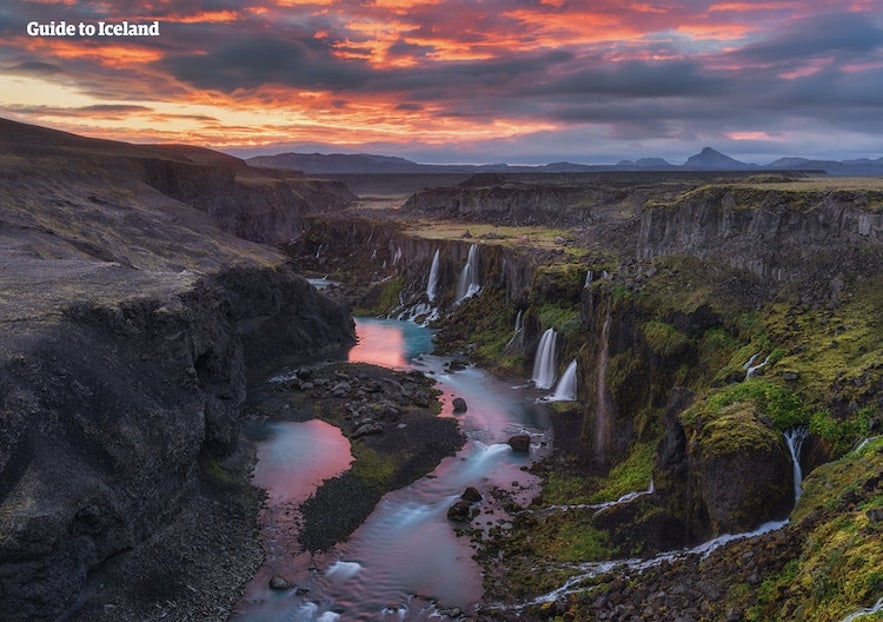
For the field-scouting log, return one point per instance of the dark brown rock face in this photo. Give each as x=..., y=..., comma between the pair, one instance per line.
x=127, y=320
x=107, y=415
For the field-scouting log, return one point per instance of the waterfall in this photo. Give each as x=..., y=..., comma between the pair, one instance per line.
x=517, y=336
x=432, y=284
x=794, y=439
x=753, y=369
x=601, y=425
x=468, y=284
x=866, y=611
x=588, y=279
x=565, y=391
x=544, y=363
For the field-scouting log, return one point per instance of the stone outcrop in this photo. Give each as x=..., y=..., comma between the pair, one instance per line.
x=775, y=233
x=263, y=206
x=548, y=199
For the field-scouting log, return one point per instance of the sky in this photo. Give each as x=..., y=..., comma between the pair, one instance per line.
x=460, y=81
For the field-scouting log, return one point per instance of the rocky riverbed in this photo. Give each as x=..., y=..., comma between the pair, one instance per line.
x=391, y=420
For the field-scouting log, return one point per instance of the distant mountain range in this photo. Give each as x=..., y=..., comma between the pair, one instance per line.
x=706, y=160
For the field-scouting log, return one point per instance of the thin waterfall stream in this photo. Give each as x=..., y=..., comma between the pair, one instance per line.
x=793, y=439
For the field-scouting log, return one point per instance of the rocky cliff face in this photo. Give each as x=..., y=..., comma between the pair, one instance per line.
x=773, y=232
x=266, y=206
x=129, y=319
x=108, y=409
x=377, y=251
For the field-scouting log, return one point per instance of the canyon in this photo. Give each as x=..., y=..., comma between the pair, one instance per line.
x=699, y=317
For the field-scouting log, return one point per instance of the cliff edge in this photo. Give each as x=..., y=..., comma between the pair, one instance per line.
x=131, y=310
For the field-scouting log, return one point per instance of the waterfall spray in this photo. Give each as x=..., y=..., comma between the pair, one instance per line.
x=468, y=284
x=794, y=439
x=544, y=362
x=565, y=391
x=432, y=283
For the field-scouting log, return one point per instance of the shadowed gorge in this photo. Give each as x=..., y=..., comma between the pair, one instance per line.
x=132, y=313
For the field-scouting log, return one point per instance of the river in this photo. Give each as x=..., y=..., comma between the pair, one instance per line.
x=405, y=561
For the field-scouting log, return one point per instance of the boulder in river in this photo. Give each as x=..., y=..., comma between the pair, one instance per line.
x=459, y=405
x=471, y=495
x=520, y=442
x=280, y=583
x=460, y=511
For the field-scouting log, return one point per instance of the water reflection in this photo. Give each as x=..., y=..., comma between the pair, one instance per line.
x=389, y=343
x=406, y=555
x=298, y=457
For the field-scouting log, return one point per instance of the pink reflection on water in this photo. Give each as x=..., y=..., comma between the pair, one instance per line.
x=380, y=346
x=298, y=458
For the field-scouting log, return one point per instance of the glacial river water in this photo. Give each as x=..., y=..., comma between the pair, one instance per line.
x=405, y=561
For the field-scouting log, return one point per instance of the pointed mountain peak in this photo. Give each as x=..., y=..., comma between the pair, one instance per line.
x=710, y=159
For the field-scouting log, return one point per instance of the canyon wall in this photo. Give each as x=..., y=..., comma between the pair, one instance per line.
x=130, y=316
x=773, y=233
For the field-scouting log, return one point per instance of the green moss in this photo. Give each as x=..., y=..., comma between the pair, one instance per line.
x=630, y=475
x=833, y=350
x=664, y=339
x=564, y=320
x=383, y=299
x=372, y=467
x=773, y=401
x=578, y=543
x=563, y=488
x=840, y=565
x=482, y=327
x=842, y=432
x=682, y=284
x=561, y=282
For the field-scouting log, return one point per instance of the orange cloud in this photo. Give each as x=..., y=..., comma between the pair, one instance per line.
x=749, y=135
x=111, y=55
x=716, y=32
x=205, y=17
x=558, y=29
x=742, y=7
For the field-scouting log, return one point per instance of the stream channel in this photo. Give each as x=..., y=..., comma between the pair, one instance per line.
x=405, y=561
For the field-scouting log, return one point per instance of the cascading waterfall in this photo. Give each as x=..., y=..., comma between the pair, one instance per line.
x=517, y=333
x=544, y=363
x=432, y=284
x=794, y=439
x=752, y=369
x=565, y=391
x=468, y=285
x=866, y=611
x=588, y=279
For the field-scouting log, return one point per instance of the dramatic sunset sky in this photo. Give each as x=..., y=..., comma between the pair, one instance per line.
x=518, y=81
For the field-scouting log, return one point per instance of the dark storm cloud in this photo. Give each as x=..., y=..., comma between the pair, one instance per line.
x=252, y=62
x=635, y=79
x=457, y=78
x=403, y=48
x=104, y=111
x=34, y=68
x=841, y=35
